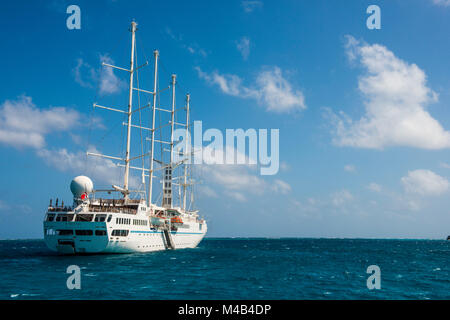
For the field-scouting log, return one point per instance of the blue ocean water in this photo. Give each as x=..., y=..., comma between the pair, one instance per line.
x=234, y=269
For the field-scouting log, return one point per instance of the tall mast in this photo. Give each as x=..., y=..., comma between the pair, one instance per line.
x=174, y=77
x=130, y=101
x=188, y=97
x=167, y=169
x=156, y=54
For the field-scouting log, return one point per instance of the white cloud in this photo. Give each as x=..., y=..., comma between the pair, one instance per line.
x=349, y=168
x=235, y=178
x=207, y=191
x=341, y=198
x=280, y=186
x=243, y=46
x=271, y=90
x=250, y=5
x=192, y=48
x=284, y=166
x=396, y=97
x=10, y=209
x=424, y=182
x=22, y=124
x=88, y=77
x=236, y=196
x=239, y=181
x=228, y=84
x=277, y=93
x=101, y=170
x=445, y=3
x=109, y=82
x=445, y=165
x=374, y=187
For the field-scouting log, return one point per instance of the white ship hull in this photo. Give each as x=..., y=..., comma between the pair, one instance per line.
x=78, y=237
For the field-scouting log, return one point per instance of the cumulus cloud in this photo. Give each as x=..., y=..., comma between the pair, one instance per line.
x=445, y=165
x=251, y=5
x=238, y=181
x=444, y=3
x=374, y=187
x=280, y=186
x=349, y=168
x=243, y=46
x=228, y=83
x=87, y=76
x=395, y=100
x=109, y=82
x=192, y=48
x=425, y=182
x=341, y=198
x=84, y=74
x=271, y=90
x=101, y=170
x=22, y=124
x=207, y=191
x=235, y=178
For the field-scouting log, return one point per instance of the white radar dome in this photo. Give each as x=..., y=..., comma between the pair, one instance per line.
x=80, y=185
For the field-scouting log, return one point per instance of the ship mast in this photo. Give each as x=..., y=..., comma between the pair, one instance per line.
x=130, y=103
x=168, y=168
x=150, y=188
x=187, y=151
x=125, y=189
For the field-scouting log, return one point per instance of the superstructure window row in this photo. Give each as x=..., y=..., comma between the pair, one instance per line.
x=123, y=221
x=119, y=233
x=138, y=222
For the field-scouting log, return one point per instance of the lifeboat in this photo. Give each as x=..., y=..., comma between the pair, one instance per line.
x=176, y=220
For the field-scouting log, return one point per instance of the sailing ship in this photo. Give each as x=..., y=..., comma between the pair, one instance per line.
x=132, y=222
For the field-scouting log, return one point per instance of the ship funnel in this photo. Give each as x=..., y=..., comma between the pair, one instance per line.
x=81, y=185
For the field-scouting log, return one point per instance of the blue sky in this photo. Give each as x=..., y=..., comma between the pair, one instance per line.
x=363, y=114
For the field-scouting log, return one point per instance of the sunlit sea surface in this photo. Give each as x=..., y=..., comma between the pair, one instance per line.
x=234, y=269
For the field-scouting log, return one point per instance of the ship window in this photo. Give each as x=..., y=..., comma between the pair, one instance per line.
x=64, y=232
x=100, y=232
x=50, y=217
x=119, y=233
x=83, y=232
x=109, y=218
x=84, y=217
x=100, y=217
x=200, y=226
